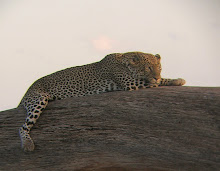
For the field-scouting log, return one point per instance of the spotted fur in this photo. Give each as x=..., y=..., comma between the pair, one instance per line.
x=119, y=71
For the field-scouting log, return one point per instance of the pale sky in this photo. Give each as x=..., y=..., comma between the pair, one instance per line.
x=39, y=37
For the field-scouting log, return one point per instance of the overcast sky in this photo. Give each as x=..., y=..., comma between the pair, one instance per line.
x=39, y=37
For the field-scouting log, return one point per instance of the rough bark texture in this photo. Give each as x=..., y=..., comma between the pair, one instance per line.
x=165, y=128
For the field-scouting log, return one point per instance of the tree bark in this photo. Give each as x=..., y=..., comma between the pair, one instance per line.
x=165, y=128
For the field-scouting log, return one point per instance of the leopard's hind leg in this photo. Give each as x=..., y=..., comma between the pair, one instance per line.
x=34, y=105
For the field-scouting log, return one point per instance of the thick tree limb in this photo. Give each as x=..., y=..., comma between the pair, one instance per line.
x=165, y=128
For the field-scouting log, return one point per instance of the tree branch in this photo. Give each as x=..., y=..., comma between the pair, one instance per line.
x=165, y=128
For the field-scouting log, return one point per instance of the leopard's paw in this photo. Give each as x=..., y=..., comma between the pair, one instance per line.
x=178, y=82
x=28, y=145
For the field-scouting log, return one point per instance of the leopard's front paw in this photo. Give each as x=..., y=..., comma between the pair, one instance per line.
x=178, y=82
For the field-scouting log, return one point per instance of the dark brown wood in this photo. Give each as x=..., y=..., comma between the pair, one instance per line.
x=165, y=128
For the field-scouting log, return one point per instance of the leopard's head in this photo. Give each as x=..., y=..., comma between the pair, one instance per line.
x=143, y=65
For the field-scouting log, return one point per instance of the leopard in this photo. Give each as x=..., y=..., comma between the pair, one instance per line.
x=117, y=71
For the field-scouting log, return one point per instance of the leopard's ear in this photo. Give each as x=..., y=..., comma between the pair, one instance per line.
x=158, y=56
x=124, y=58
x=114, y=57
x=130, y=58
x=118, y=56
